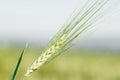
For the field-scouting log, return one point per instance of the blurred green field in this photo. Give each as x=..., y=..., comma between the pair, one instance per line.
x=83, y=65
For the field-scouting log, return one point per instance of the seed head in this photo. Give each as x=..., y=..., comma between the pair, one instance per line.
x=46, y=55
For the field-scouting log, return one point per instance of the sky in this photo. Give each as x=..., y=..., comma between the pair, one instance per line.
x=37, y=20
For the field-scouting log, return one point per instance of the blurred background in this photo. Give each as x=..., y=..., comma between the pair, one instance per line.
x=36, y=21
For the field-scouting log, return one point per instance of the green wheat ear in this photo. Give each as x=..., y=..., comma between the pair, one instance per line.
x=80, y=21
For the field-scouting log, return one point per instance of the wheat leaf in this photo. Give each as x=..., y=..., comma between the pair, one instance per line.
x=17, y=66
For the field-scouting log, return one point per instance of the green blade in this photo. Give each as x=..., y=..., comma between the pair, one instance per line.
x=17, y=66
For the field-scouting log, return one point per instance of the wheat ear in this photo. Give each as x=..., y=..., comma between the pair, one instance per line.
x=80, y=21
x=46, y=55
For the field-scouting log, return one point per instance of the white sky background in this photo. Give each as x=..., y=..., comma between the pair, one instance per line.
x=35, y=20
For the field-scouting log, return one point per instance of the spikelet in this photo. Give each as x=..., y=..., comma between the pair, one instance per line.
x=46, y=55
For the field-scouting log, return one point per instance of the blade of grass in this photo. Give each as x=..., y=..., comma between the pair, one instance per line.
x=18, y=64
